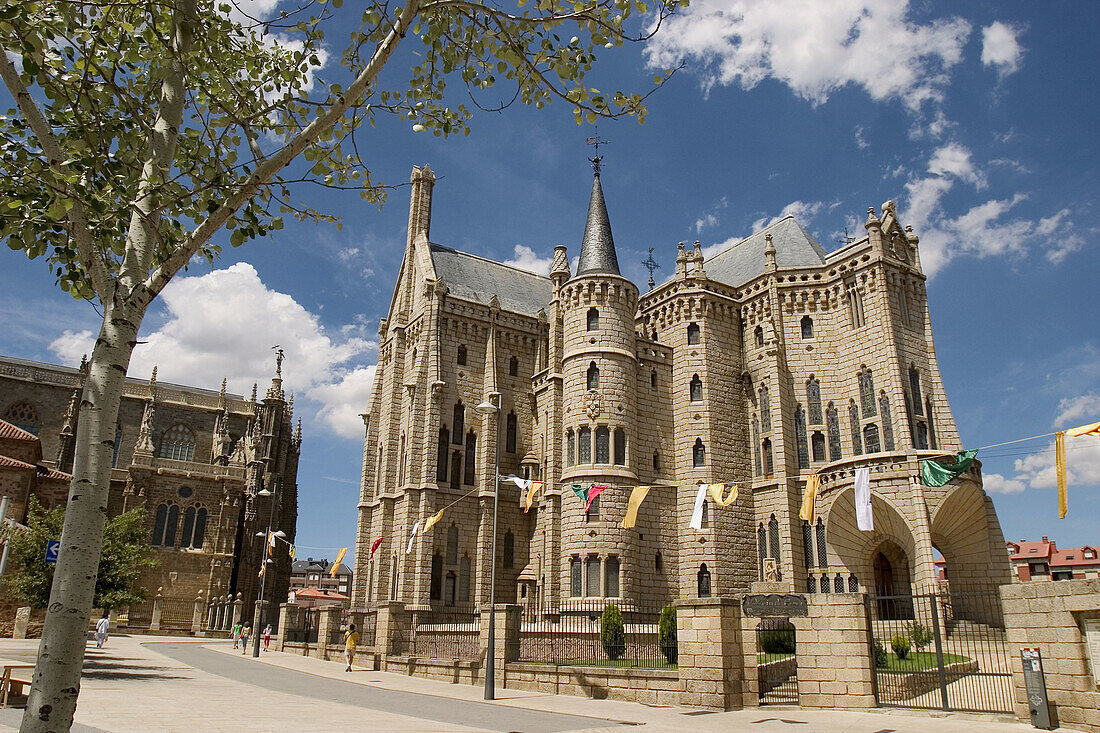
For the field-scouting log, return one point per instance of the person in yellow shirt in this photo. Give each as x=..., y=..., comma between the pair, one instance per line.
x=351, y=639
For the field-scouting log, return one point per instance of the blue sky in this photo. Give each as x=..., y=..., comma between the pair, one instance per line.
x=978, y=118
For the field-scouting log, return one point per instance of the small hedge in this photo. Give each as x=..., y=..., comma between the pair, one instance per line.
x=777, y=641
x=900, y=645
x=666, y=634
x=612, y=634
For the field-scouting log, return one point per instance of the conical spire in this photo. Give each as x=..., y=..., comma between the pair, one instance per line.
x=597, y=248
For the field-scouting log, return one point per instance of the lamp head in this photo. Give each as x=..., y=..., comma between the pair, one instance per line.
x=263, y=492
x=486, y=408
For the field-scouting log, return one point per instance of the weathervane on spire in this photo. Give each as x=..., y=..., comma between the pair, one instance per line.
x=596, y=141
x=651, y=264
x=278, y=360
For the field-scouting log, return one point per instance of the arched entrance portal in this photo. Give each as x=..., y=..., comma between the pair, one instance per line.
x=893, y=581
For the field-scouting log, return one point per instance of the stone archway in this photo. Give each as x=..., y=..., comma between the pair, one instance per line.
x=858, y=551
x=893, y=584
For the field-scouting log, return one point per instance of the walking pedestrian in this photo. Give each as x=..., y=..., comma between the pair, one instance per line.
x=245, y=633
x=101, y=628
x=267, y=637
x=236, y=634
x=351, y=639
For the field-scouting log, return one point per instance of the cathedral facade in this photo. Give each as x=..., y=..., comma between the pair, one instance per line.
x=201, y=462
x=756, y=367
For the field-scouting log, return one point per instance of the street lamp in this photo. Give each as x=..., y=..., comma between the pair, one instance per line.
x=257, y=615
x=488, y=408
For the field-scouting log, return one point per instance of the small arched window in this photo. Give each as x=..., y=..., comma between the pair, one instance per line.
x=695, y=392
x=870, y=438
x=769, y=464
x=441, y=455
x=171, y=525
x=611, y=577
x=887, y=421
x=703, y=582
x=603, y=445
x=765, y=410
x=592, y=575
x=23, y=415
x=658, y=563
x=817, y=446
x=758, y=334
x=914, y=389
x=509, y=550
x=867, y=392
x=832, y=425
x=158, y=525
x=593, y=319
x=570, y=448
x=620, y=447
x=698, y=454
x=800, y=437
x=199, y=537
x=584, y=445
x=471, y=458
x=653, y=379
x=462, y=355
x=458, y=420
x=813, y=400
x=824, y=583
x=576, y=583
x=807, y=327
x=838, y=584
x=693, y=333
x=853, y=418
x=593, y=376
x=756, y=445
x=656, y=461
x=188, y=526
x=513, y=366
x=178, y=443
x=510, y=433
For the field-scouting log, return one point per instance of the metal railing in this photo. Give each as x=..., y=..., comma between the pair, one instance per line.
x=569, y=634
x=176, y=613
x=447, y=633
x=942, y=651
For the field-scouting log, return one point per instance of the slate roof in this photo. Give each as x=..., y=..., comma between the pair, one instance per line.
x=794, y=247
x=13, y=432
x=319, y=594
x=301, y=567
x=476, y=278
x=597, y=247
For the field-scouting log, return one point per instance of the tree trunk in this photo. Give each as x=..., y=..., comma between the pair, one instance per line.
x=51, y=704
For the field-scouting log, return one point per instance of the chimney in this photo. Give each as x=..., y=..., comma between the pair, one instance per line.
x=1045, y=539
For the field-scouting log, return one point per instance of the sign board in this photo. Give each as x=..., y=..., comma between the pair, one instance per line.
x=1092, y=636
x=774, y=604
x=1036, y=686
x=52, y=548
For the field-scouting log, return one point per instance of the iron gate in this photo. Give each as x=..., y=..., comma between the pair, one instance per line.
x=776, y=662
x=943, y=651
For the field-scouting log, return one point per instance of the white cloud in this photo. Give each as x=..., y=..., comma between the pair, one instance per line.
x=814, y=48
x=224, y=323
x=995, y=483
x=710, y=217
x=861, y=141
x=347, y=253
x=802, y=211
x=954, y=159
x=1082, y=409
x=1082, y=464
x=1000, y=49
x=525, y=258
x=345, y=400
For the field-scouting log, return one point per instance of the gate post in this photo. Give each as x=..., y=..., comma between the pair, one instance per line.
x=939, y=652
x=709, y=655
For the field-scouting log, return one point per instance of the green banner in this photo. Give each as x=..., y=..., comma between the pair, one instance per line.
x=934, y=473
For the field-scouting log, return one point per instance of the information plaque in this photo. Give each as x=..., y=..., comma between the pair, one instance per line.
x=774, y=604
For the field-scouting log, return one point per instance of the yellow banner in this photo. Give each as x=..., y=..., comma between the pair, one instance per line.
x=808, y=513
x=339, y=559
x=433, y=519
x=536, y=487
x=1060, y=464
x=716, y=494
x=637, y=496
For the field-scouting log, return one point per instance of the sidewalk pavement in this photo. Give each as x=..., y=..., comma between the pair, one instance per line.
x=139, y=684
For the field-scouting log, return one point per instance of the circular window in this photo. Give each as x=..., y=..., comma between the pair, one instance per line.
x=185, y=492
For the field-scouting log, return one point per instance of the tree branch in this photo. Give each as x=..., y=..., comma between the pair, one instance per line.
x=81, y=233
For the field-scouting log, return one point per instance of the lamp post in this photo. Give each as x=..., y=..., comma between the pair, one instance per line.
x=257, y=616
x=488, y=408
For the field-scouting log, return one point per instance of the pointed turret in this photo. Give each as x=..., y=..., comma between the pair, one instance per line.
x=597, y=248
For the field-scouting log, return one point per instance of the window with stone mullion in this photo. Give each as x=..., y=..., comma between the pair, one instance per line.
x=832, y=422
x=800, y=437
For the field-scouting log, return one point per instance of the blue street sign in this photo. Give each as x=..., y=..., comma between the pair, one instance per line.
x=52, y=548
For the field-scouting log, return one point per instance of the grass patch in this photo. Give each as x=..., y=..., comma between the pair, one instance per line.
x=919, y=661
x=765, y=657
x=639, y=664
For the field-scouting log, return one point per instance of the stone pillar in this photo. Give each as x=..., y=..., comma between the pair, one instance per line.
x=834, y=653
x=212, y=615
x=154, y=624
x=710, y=656
x=22, y=618
x=112, y=621
x=196, y=616
x=507, y=618
x=391, y=631
x=285, y=610
x=238, y=608
x=329, y=619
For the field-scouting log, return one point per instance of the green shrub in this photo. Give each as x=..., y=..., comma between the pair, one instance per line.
x=777, y=641
x=881, y=660
x=612, y=634
x=900, y=645
x=920, y=635
x=666, y=633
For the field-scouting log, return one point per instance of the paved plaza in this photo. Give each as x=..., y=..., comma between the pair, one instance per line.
x=147, y=683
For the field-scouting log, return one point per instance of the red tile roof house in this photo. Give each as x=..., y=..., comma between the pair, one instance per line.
x=1043, y=560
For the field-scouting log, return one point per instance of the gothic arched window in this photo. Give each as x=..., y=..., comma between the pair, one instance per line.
x=703, y=582
x=611, y=577
x=656, y=461
x=813, y=400
x=838, y=584
x=620, y=447
x=695, y=393
x=576, y=587
x=914, y=389
x=693, y=333
x=171, y=525
x=887, y=422
x=853, y=418
x=867, y=392
x=817, y=446
x=510, y=433
x=762, y=546
x=800, y=437
x=756, y=445
x=584, y=445
x=199, y=537
x=832, y=425
x=593, y=376
x=811, y=584
x=593, y=319
x=462, y=355
x=807, y=327
x=513, y=367
x=773, y=538
x=570, y=448
x=603, y=445
x=458, y=422
x=23, y=415
x=188, y=526
x=177, y=443
x=765, y=410
x=758, y=334
x=471, y=458
x=870, y=438
x=653, y=379
x=769, y=465
x=808, y=544
x=822, y=550
x=161, y=518
x=441, y=455
x=698, y=454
